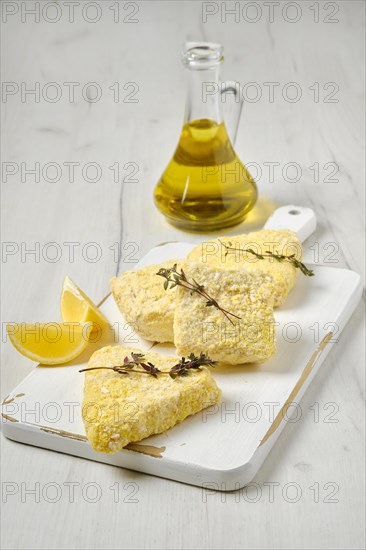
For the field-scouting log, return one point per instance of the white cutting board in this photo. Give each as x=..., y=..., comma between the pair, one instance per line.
x=224, y=446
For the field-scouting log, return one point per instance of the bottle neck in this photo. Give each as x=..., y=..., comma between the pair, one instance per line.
x=203, y=95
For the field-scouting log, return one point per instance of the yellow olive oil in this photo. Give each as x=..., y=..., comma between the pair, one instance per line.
x=205, y=186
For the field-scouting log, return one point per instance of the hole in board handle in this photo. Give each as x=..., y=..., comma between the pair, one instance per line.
x=294, y=212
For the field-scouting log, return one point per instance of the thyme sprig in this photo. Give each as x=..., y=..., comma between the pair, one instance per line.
x=179, y=278
x=268, y=254
x=138, y=360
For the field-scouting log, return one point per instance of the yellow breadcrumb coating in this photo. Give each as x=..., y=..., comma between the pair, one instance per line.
x=248, y=294
x=146, y=306
x=119, y=409
x=277, y=241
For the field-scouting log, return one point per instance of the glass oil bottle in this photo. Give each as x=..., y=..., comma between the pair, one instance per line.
x=205, y=186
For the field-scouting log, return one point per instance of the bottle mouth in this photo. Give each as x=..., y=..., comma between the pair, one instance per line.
x=202, y=55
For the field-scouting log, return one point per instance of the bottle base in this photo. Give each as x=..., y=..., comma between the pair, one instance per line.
x=204, y=226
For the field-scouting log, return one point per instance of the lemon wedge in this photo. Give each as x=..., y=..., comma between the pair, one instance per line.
x=49, y=343
x=77, y=306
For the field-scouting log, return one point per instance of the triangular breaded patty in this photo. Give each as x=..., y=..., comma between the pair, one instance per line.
x=122, y=408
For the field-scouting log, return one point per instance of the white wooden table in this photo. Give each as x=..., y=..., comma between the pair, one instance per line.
x=309, y=492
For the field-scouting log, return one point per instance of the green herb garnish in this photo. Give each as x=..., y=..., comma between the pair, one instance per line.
x=192, y=362
x=138, y=360
x=178, y=278
x=268, y=254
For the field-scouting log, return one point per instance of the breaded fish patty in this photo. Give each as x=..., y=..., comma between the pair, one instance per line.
x=247, y=294
x=119, y=409
x=277, y=241
x=146, y=306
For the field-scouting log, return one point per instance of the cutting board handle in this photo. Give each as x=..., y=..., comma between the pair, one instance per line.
x=299, y=219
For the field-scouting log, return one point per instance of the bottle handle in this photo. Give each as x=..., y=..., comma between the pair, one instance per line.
x=232, y=114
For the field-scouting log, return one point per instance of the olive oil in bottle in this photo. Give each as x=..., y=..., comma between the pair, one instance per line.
x=205, y=186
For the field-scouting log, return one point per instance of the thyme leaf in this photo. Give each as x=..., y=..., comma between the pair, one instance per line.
x=192, y=362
